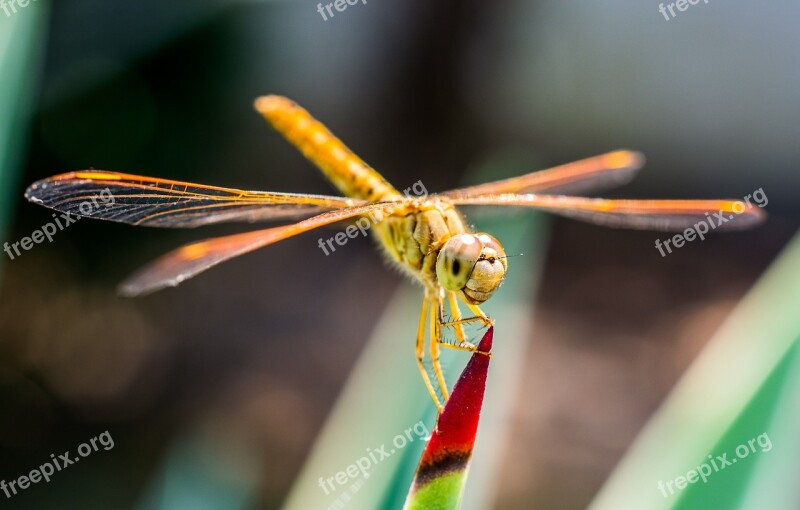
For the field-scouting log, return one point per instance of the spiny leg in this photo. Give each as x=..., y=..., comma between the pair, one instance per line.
x=423, y=316
x=452, y=300
x=435, y=340
x=482, y=316
x=458, y=323
x=479, y=316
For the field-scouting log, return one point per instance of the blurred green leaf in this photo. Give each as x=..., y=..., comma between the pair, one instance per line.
x=22, y=37
x=745, y=383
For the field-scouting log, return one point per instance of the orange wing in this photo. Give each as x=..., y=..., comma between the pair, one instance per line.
x=667, y=215
x=607, y=170
x=192, y=259
x=139, y=200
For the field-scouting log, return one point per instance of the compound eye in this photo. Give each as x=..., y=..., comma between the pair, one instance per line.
x=493, y=249
x=456, y=260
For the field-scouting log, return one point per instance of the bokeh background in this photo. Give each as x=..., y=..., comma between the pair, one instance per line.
x=214, y=392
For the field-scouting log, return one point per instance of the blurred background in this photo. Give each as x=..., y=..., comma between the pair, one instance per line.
x=225, y=382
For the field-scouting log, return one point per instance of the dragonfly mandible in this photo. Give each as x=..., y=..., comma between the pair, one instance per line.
x=427, y=238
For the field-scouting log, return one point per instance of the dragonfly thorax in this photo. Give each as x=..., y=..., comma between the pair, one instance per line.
x=430, y=241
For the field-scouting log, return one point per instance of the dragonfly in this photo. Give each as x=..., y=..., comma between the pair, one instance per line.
x=426, y=237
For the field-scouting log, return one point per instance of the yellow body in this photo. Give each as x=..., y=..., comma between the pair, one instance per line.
x=424, y=236
x=413, y=234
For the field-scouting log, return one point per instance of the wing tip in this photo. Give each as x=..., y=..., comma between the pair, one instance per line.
x=33, y=192
x=30, y=193
x=752, y=215
x=127, y=291
x=626, y=159
x=128, y=288
x=150, y=279
x=132, y=288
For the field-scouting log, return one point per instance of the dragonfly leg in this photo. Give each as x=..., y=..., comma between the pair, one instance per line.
x=458, y=325
x=452, y=300
x=436, y=334
x=423, y=316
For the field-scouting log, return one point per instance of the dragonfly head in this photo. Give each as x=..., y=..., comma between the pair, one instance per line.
x=473, y=265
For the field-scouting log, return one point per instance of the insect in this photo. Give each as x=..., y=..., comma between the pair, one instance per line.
x=426, y=237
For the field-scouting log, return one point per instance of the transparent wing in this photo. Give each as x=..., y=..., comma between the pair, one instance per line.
x=192, y=259
x=667, y=215
x=139, y=200
x=584, y=176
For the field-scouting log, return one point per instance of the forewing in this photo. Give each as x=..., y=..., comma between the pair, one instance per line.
x=153, y=202
x=192, y=259
x=584, y=176
x=666, y=215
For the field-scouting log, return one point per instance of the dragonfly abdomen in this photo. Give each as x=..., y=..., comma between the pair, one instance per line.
x=349, y=173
